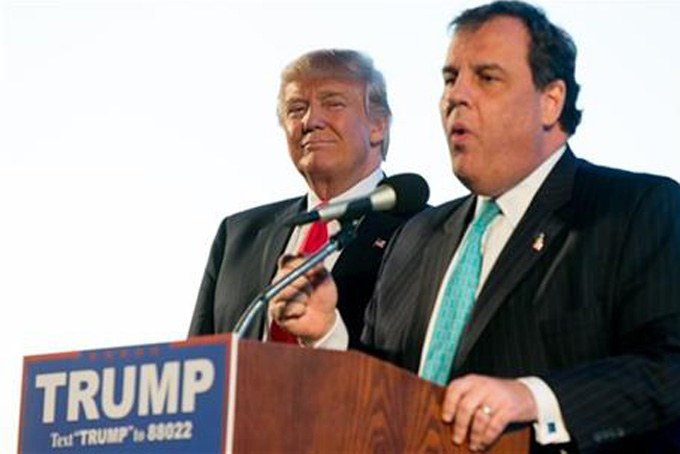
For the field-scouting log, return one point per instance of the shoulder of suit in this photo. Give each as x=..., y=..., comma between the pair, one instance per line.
x=263, y=212
x=617, y=182
x=434, y=216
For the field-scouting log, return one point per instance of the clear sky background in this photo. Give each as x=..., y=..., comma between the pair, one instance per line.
x=130, y=128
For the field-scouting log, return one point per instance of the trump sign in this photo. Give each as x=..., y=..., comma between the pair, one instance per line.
x=163, y=398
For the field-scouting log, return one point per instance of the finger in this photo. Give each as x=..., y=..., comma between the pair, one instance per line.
x=278, y=306
x=293, y=294
x=454, y=392
x=294, y=310
x=480, y=422
x=494, y=429
x=300, y=285
x=317, y=275
x=285, y=259
x=464, y=413
x=287, y=263
x=276, y=311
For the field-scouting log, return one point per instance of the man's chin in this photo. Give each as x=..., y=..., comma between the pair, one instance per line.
x=474, y=185
x=460, y=171
x=318, y=171
x=465, y=180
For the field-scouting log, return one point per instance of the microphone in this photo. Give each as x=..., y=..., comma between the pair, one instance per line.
x=401, y=194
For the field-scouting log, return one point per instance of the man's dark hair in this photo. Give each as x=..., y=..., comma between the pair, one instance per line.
x=552, y=52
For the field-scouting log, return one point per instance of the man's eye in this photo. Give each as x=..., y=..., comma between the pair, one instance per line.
x=335, y=104
x=450, y=78
x=295, y=112
x=488, y=78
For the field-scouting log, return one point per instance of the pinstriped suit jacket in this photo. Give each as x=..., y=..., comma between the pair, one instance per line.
x=243, y=261
x=595, y=312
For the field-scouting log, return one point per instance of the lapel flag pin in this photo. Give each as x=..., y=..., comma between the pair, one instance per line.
x=379, y=243
x=539, y=242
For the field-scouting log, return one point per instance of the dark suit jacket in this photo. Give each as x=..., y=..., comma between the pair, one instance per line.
x=595, y=312
x=243, y=261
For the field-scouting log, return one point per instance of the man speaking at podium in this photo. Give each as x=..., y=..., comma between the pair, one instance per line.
x=551, y=294
x=333, y=108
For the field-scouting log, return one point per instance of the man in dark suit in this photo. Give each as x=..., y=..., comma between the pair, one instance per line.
x=333, y=108
x=551, y=294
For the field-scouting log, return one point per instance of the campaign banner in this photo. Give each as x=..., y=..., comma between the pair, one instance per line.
x=163, y=398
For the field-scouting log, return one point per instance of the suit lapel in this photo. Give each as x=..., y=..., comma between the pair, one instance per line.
x=437, y=247
x=531, y=238
x=374, y=231
x=275, y=235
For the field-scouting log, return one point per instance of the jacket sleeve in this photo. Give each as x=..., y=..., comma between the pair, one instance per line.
x=202, y=321
x=637, y=388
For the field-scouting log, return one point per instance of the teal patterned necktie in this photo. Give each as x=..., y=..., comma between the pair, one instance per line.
x=458, y=300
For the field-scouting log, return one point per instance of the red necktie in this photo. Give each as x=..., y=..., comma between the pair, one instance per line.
x=317, y=237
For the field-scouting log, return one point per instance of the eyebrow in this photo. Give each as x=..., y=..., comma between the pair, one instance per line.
x=322, y=95
x=294, y=100
x=330, y=94
x=448, y=69
x=489, y=66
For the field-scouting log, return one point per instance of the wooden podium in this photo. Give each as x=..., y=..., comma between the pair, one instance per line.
x=220, y=394
x=295, y=400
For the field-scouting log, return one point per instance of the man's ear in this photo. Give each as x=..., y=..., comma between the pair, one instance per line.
x=379, y=125
x=552, y=102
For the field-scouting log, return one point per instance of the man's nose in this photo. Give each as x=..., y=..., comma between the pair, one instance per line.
x=313, y=118
x=456, y=94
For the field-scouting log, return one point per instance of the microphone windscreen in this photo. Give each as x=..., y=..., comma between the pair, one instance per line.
x=412, y=192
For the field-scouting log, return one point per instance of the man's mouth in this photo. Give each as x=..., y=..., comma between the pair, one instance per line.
x=459, y=132
x=310, y=144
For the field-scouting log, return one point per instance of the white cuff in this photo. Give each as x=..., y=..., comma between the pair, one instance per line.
x=336, y=339
x=550, y=427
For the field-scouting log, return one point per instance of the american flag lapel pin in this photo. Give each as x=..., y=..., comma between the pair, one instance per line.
x=379, y=243
x=539, y=242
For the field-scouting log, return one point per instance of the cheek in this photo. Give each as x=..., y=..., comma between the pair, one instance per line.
x=294, y=152
x=294, y=149
x=443, y=107
x=293, y=131
x=524, y=112
x=511, y=126
x=353, y=131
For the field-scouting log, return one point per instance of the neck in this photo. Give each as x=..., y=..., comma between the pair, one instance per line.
x=329, y=188
x=554, y=141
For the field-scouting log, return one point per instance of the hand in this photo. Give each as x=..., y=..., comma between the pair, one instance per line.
x=306, y=308
x=481, y=408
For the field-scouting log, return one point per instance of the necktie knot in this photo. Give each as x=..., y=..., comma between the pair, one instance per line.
x=488, y=213
x=317, y=235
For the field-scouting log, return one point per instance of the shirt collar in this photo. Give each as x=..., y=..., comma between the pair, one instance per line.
x=362, y=188
x=514, y=202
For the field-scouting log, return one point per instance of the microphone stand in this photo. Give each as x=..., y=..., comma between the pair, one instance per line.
x=338, y=241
